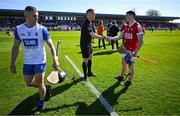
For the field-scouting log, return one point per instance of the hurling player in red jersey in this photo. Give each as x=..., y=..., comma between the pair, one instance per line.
x=132, y=36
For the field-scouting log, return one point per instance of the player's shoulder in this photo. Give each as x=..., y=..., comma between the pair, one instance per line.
x=83, y=24
x=86, y=23
x=137, y=24
x=40, y=26
x=20, y=26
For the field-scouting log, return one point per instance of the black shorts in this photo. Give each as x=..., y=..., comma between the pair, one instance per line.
x=86, y=50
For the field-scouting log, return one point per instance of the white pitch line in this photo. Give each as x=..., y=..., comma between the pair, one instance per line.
x=94, y=90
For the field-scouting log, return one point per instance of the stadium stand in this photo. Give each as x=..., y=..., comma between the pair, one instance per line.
x=72, y=21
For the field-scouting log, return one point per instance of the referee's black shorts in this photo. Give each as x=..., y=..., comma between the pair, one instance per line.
x=86, y=50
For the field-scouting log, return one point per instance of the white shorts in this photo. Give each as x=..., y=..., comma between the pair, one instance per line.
x=123, y=55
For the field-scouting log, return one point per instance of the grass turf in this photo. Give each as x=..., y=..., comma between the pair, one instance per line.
x=155, y=90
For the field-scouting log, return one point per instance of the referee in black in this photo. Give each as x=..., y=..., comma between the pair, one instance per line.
x=87, y=33
x=114, y=32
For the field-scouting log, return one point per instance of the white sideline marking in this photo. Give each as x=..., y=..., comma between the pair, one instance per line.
x=94, y=90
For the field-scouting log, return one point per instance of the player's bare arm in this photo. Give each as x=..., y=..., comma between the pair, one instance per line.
x=140, y=43
x=14, y=55
x=115, y=38
x=95, y=35
x=50, y=44
x=118, y=37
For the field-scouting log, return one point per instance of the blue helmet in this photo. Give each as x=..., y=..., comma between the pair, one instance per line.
x=128, y=58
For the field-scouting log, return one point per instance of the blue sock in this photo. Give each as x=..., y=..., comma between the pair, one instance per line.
x=41, y=102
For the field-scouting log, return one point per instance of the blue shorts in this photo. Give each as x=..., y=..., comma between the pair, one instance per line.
x=31, y=69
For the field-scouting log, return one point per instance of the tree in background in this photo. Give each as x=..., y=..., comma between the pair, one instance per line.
x=153, y=12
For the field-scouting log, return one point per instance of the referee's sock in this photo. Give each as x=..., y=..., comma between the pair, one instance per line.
x=89, y=66
x=84, y=66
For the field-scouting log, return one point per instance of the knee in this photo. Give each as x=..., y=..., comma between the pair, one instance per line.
x=40, y=84
x=32, y=84
x=90, y=57
x=85, y=60
x=29, y=84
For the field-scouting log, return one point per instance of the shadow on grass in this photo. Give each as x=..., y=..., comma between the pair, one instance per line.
x=96, y=107
x=79, y=52
x=93, y=51
x=131, y=110
x=111, y=96
x=82, y=108
x=28, y=104
x=100, y=53
x=96, y=46
x=104, y=53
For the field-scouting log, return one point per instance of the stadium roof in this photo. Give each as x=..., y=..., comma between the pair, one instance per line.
x=19, y=13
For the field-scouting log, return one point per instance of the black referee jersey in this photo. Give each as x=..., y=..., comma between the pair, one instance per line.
x=85, y=41
x=86, y=29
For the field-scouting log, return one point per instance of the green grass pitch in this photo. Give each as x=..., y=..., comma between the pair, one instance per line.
x=155, y=90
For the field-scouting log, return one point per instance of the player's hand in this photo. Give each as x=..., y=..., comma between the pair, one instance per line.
x=13, y=68
x=102, y=37
x=107, y=38
x=134, y=54
x=133, y=59
x=55, y=64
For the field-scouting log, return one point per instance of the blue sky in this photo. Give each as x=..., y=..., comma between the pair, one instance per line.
x=166, y=7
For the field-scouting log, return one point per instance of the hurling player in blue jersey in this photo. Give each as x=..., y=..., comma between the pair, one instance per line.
x=33, y=37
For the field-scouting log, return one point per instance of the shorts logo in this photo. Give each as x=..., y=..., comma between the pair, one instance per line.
x=30, y=43
x=42, y=67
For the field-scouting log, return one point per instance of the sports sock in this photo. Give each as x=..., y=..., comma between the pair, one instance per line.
x=41, y=103
x=89, y=66
x=84, y=66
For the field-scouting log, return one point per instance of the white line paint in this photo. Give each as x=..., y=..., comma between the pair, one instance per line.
x=94, y=90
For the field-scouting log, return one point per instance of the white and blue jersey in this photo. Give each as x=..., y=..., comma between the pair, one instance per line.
x=33, y=40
